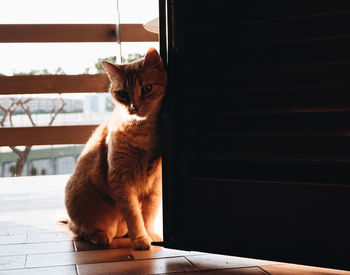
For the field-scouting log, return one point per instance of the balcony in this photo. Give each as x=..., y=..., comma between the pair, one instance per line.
x=31, y=240
x=66, y=116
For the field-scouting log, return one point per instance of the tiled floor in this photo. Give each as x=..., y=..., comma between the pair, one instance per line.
x=31, y=242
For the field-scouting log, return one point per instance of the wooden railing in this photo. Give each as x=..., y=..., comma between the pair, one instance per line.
x=17, y=33
x=38, y=84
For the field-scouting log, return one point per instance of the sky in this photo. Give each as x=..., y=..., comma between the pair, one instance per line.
x=73, y=58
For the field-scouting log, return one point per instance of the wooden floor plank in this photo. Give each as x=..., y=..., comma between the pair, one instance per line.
x=291, y=269
x=158, y=252
x=56, y=270
x=13, y=239
x=81, y=257
x=167, y=265
x=35, y=248
x=11, y=262
x=214, y=261
x=233, y=271
x=50, y=237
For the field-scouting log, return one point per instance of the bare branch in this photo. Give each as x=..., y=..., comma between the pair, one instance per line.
x=27, y=100
x=17, y=151
x=22, y=155
x=56, y=112
x=53, y=109
x=14, y=102
x=6, y=112
x=2, y=122
x=10, y=119
x=12, y=110
x=9, y=111
x=27, y=149
x=26, y=109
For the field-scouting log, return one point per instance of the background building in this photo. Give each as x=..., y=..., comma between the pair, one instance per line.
x=43, y=160
x=54, y=160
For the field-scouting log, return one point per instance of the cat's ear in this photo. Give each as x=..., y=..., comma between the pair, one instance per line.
x=152, y=58
x=111, y=69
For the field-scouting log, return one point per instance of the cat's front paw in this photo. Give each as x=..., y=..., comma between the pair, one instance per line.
x=142, y=243
x=99, y=238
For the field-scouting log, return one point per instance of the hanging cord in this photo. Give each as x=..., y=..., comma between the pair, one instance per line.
x=119, y=55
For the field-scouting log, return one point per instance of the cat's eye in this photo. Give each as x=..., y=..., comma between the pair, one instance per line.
x=123, y=94
x=146, y=89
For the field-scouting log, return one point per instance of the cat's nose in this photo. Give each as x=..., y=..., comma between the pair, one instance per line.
x=134, y=107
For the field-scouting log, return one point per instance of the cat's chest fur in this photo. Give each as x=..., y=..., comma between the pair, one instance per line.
x=134, y=153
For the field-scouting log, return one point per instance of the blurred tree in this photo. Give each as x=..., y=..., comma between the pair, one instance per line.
x=59, y=70
x=8, y=112
x=86, y=71
x=134, y=56
x=33, y=171
x=13, y=170
x=98, y=64
x=131, y=57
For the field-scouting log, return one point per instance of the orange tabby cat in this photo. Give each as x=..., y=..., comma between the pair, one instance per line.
x=115, y=188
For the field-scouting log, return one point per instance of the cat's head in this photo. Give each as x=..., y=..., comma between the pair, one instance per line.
x=139, y=86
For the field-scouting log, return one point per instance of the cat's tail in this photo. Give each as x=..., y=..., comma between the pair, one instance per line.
x=71, y=226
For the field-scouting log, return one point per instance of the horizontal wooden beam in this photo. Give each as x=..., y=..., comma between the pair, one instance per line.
x=136, y=33
x=38, y=33
x=45, y=135
x=45, y=84
x=57, y=33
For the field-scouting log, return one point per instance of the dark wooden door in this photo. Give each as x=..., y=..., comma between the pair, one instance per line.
x=257, y=129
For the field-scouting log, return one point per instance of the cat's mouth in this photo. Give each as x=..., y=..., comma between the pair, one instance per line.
x=133, y=112
x=129, y=116
x=136, y=117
